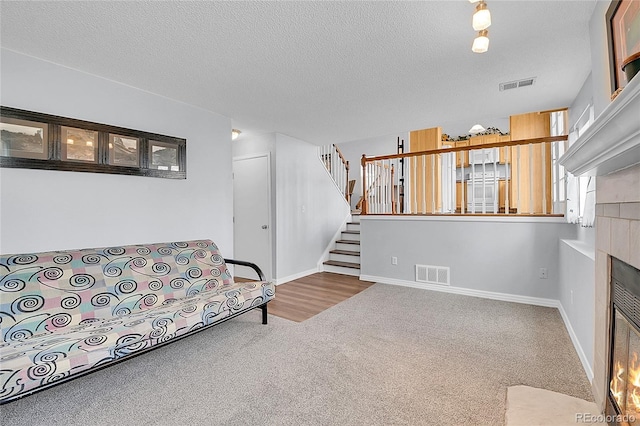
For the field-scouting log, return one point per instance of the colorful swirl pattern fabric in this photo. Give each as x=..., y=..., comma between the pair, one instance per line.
x=62, y=313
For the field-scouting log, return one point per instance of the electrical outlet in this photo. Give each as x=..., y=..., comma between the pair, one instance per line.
x=394, y=260
x=543, y=273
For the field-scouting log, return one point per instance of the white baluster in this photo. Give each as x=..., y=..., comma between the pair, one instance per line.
x=414, y=174
x=463, y=187
x=531, y=178
x=544, y=177
x=434, y=158
x=424, y=184
x=484, y=181
x=517, y=181
x=473, y=184
x=496, y=182
x=507, y=176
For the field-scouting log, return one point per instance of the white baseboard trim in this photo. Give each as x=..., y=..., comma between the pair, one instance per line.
x=576, y=343
x=283, y=280
x=537, y=301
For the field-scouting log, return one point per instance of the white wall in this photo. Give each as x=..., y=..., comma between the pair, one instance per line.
x=498, y=255
x=48, y=210
x=577, y=295
x=307, y=207
x=577, y=259
x=584, y=98
x=600, y=74
x=310, y=209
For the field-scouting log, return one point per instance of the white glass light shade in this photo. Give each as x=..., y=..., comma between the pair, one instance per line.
x=234, y=134
x=481, y=43
x=477, y=128
x=482, y=17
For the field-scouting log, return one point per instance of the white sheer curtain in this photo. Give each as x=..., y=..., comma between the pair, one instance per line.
x=589, y=214
x=573, y=190
x=573, y=199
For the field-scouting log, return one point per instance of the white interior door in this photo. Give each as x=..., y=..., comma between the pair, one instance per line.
x=251, y=212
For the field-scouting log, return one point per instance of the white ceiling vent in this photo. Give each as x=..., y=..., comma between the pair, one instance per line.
x=432, y=274
x=516, y=84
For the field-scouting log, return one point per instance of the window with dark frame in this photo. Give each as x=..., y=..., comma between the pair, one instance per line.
x=34, y=140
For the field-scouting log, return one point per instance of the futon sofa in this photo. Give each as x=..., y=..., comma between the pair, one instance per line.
x=66, y=313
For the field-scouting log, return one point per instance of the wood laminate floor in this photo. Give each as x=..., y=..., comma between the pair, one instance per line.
x=303, y=298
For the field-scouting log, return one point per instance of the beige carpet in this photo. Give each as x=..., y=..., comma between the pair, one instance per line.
x=389, y=355
x=528, y=406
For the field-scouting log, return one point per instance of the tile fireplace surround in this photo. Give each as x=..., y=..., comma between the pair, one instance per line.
x=610, y=150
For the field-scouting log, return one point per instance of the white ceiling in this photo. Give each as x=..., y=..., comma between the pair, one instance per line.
x=323, y=72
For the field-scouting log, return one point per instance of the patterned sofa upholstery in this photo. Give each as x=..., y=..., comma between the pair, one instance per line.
x=68, y=312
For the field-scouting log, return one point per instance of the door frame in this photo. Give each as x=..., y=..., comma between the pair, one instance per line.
x=267, y=155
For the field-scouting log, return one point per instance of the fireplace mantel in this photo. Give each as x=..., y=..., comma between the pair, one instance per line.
x=612, y=142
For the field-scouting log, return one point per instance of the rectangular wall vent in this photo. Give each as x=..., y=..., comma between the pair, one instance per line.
x=432, y=274
x=518, y=83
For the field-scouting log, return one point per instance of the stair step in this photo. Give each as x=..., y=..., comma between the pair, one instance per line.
x=345, y=257
x=348, y=242
x=340, y=270
x=346, y=252
x=347, y=246
x=342, y=264
x=350, y=235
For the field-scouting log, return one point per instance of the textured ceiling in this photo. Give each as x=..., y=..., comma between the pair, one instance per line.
x=324, y=72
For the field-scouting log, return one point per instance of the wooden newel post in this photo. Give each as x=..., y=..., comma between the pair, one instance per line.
x=363, y=208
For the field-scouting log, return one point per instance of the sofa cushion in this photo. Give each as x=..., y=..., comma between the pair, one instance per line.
x=55, y=290
x=54, y=353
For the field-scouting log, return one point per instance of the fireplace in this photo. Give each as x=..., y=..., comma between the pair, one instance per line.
x=623, y=405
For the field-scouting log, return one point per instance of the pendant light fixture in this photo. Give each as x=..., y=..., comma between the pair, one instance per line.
x=481, y=43
x=482, y=17
x=477, y=128
x=481, y=21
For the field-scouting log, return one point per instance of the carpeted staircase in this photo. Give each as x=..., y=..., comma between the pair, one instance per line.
x=345, y=257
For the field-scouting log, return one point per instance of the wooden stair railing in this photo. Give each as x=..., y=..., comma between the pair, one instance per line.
x=525, y=186
x=381, y=187
x=338, y=167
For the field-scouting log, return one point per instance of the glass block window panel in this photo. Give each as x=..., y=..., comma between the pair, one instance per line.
x=124, y=150
x=79, y=145
x=23, y=138
x=163, y=156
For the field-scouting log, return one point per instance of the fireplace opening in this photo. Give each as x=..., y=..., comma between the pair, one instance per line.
x=623, y=406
